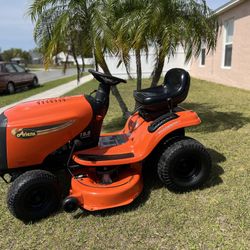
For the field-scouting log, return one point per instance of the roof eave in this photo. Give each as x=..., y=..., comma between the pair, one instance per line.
x=228, y=6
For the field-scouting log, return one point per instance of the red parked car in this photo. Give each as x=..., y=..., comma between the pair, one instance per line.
x=13, y=76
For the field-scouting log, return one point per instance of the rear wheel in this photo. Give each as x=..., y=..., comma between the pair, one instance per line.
x=184, y=165
x=35, y=83
x=11, y=88
x=34, y=195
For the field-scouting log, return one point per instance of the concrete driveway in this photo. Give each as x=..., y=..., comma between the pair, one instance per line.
x=53, y=74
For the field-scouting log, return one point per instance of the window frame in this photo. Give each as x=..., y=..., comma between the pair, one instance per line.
x=225, y=43
x=17, y=67
x=6, y=69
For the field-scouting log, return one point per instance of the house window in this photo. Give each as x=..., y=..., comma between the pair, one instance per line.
x=203, y=57
x=228, y=46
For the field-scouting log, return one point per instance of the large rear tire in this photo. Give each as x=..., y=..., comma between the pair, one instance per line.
x=34, y=195
x=184, y=165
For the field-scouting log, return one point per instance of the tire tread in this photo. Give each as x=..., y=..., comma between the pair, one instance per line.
x=21, y=183
x=175, y=146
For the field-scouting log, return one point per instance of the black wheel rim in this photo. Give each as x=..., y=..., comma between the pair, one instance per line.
x=187, y=168
x=37, y=198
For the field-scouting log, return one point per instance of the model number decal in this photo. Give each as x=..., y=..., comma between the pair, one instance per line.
x=84, y=135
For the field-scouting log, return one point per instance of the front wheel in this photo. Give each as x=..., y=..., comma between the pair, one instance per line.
x=35, y=83
x=34, y=195
x=184, y=165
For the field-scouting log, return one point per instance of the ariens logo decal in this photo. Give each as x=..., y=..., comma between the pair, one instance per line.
x=24, y=133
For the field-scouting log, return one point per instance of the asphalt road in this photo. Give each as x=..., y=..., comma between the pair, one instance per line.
x=53, y=74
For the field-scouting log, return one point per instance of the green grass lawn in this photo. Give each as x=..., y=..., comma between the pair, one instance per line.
x=8, y=99
x=215, y=217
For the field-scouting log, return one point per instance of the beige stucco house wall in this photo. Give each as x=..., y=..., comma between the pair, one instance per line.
x=238, y=74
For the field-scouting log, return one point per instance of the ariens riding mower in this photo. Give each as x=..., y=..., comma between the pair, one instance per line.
x=41, y=136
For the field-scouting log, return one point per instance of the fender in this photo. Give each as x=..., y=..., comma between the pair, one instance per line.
x=139, y=142
x=145, y=141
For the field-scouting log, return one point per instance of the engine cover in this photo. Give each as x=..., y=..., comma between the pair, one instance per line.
x=31, y=131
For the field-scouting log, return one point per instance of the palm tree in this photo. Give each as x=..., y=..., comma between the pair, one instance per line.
x=128, y=15
x=59, y=23
x=119, y=26
x=173, y=23
x=164, y=24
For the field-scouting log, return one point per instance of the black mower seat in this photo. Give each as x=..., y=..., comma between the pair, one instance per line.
x=174, y=90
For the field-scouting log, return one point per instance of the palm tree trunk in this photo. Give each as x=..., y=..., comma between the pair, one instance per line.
x=65, y=66
x=102, y=62
x=83, y=63
x=122, y=104
x=138, y=68
x=77, y=64
x=127, y=67
x=158, y=68
x=95, y=60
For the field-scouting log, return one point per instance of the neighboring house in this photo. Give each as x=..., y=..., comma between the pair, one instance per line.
x=229, y=64
x=18, y=60
x=147, y=62
x=36, y=57
x=62, y=57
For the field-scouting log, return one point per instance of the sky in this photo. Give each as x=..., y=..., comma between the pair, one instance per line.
x=16, y=29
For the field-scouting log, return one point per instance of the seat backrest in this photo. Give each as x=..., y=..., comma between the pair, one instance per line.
x=177, y=82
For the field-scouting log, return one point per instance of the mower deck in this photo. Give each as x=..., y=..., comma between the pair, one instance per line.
x=92, y=195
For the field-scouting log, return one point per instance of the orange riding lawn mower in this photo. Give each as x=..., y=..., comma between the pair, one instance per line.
x=39, y=137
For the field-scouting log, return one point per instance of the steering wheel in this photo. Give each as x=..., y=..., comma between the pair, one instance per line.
x=105, y=78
